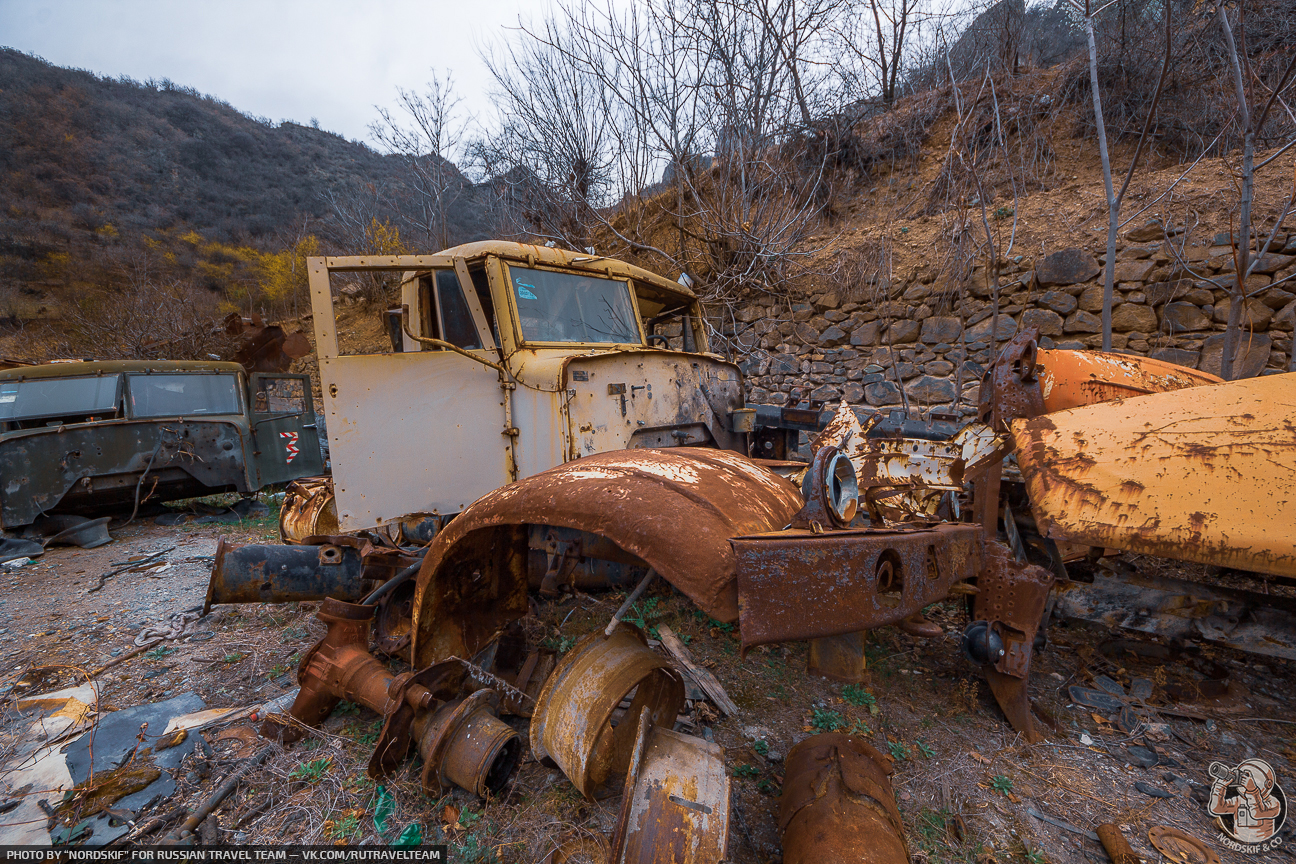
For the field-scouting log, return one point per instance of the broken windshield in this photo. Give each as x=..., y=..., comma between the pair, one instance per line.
x=58, y=397
x=566, y=307
x=182, y=395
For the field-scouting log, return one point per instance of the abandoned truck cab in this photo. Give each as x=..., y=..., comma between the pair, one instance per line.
x=506, y=360
x=87, y=436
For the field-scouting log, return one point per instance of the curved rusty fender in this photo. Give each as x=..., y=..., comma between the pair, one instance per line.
x=675, y=508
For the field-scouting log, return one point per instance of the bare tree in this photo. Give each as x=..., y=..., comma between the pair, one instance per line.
x=1250, y=123
x=1114, y=198
x=426, y=133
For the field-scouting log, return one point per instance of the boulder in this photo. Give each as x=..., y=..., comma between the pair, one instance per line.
x=1177, y=356
x=802, y=311
x=1066, y=267
x=882, y=393
x=834, y=335
x=1150, y=230
x=1091, y=299
x=750, y=313
x=1163, y=292
x=1269, y=262
x=937, y=329
x=853, y=392
x=903, y=332
x=931, y=390
x=1048, y=321
x=1255, y=315
x=1134, y=271
x=866, y=335
x=981, y=332
x=1059, y=301
x=784, y=364
x=1081, y=321
x=1252, y=354
x=1184, y=317
x=939, y=367
x=1133, y=317
x=1277, y=298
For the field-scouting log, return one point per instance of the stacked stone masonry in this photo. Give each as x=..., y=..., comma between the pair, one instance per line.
x=1169, y=303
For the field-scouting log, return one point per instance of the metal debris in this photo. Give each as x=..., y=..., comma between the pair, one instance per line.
x=1206, y=474
x=837, y=804
x=675, y=805
x=572, y=723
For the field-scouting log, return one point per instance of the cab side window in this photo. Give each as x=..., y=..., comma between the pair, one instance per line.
x=445, y=311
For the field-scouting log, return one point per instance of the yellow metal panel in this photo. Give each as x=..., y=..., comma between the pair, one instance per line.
x=412, y=433
x=1069, y=379
x=1206, y=474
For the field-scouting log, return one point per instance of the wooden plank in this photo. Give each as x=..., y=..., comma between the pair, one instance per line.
x=703, y=677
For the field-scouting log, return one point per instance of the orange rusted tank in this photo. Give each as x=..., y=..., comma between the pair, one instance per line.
x=1207, y=475
x=1070, y=379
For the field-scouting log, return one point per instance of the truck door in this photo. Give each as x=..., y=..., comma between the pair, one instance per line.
x=420, y=429
x=285, y=440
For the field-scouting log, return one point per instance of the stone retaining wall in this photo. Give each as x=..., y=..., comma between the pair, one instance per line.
x=828, y=349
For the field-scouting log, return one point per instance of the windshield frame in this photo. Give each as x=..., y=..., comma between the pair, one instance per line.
x=511, y=292
x=113, y=409
x=239, y=394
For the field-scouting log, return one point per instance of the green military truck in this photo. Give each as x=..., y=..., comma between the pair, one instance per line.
x=86, y=437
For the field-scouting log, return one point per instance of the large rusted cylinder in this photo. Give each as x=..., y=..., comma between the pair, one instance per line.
x=837, y=804
x=281, y=574
x=463, y=743
x=572, y=721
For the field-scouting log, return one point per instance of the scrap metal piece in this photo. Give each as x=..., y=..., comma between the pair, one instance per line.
x=255, y=573
x=70, y=530
x=1066, y=826
x=837, y=804
x=1070, y=379
x=338, y=666
x=795, y=585
x=839, y=658
x=1180, y=847
x=308, y=509
x=1010, y=602
x=572, y=722
x=1114, y=842
x=830, y=491
x=1206, y=474
x=675, y=809
x=637, y=499
x=464, y=744
x=1178, y=609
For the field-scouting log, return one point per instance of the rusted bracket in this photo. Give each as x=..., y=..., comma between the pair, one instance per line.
x=1009, y=391
x=796, y=584
x=406, y=695
x=1007, y=611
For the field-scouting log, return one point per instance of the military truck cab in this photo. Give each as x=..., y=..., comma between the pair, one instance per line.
x=91, y=436
x=506, y=360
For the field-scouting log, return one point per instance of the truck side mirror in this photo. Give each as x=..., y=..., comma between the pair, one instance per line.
x=394, y=333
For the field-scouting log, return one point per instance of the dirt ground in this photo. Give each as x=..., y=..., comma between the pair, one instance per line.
x=965, y=783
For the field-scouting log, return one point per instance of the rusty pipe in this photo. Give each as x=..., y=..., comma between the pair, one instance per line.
x=837, y=804
x=464, y=744
x=255, y=573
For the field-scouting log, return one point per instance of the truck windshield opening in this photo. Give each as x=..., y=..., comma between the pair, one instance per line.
x=566, y=307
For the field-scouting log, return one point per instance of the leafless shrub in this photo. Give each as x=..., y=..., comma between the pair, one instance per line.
x=150, y=320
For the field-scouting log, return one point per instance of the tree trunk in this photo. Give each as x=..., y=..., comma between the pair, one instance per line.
x=1113, y=210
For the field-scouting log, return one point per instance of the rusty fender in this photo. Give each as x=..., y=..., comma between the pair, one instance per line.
x=674, y=509
x=572, y=723
x=795, y=585
x=1206, y=474
x=675, y=807
x=837, y=804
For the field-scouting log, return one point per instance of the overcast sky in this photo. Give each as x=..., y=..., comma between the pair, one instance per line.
x=283, y=59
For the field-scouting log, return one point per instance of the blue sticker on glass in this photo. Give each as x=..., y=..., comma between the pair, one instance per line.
x=526, y=292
